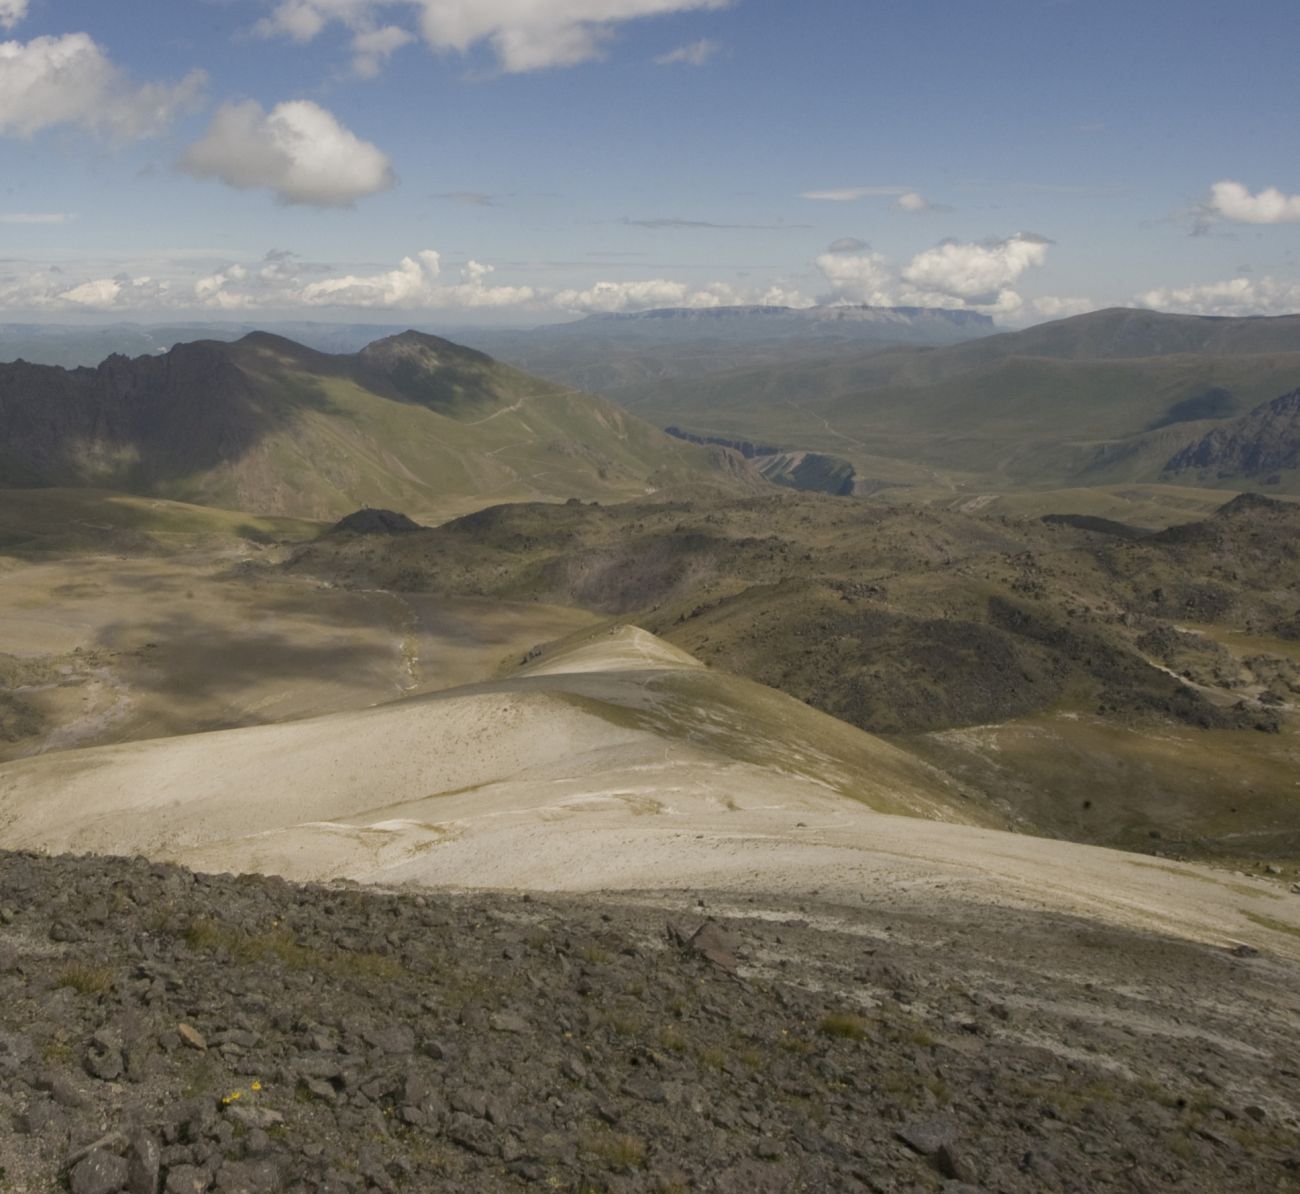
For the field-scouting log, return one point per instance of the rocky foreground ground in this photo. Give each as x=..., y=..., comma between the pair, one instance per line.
x=166, y=1031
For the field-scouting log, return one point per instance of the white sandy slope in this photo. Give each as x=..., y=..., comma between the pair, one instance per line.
x=620, y=764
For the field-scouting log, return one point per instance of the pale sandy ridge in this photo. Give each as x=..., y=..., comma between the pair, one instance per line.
x=621, y=764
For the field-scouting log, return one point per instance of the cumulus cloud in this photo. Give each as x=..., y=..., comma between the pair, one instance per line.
x=1233, y=201
x=851, y=194
x=69, y=80
x=980, y=275
x=416, y=283
x=1236, y=296
x=697, y=53
x=952, y=274
x=847, y=244
x=11, y=12
x=524, y=34
x=298, y=150
x=858, y=277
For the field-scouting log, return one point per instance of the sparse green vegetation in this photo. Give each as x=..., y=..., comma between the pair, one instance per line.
x=206, y=936
x=844, y=1026
x=86, y=979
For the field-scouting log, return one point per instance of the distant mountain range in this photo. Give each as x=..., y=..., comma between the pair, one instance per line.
x=71, y=345
x=1113, y=396
x=272, y=427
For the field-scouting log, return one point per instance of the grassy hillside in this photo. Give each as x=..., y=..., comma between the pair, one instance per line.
x=269, y=426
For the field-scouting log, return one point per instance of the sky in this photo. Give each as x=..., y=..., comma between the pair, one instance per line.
x=453, y=162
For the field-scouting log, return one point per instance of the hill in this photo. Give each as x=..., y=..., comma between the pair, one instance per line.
x=271, y=427
x=1112, y=687
x=614, y=762
x=1097, y=399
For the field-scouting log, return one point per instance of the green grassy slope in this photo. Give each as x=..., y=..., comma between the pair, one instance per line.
x=268, y=426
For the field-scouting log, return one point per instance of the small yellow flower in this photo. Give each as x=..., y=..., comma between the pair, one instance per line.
x=257, y=1086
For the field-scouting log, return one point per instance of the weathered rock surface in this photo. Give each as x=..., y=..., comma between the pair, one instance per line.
x=361, y=1042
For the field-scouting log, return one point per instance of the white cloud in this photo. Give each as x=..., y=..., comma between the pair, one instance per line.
x=914, y=203
x=850, y=194
x=371, y=48
x=1236, y=296
x=642, y=296
x=980, y=275
x=415, y=284
x=68, y=80
x=11, y=12
x=298, y=150
x=283, y=282
x=951, y=274
x=524, y=34
x=698, y=53
x=1232, y=201
x=858, y=277
x=34, y=217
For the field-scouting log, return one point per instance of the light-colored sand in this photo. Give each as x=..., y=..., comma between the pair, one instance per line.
x=621, y=764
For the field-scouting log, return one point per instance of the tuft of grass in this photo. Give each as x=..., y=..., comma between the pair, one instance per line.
x=86, y=980
x=619, y=1151
x=206, y=936
x=843, y=1026
x=671, y=1038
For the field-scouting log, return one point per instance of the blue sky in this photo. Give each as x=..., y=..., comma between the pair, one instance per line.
x=516, y=161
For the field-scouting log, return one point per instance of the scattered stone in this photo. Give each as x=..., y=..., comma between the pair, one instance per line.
x=98, y=1172
x=144, y=1164
x=715, y=945
x=191, y=1038
x=930, y=1134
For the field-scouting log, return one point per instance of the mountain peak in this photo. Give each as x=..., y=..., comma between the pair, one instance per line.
x=418, y=348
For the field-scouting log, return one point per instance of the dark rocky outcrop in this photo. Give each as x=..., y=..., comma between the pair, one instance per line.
x=1263, y=442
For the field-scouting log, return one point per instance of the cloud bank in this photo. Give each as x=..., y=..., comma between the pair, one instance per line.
x=283, y=281
x=69, y=81
x=524, y=35
x=298, y=151
x=1236, y=296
